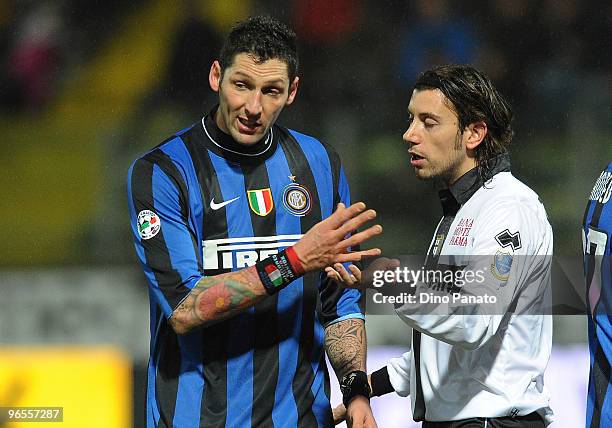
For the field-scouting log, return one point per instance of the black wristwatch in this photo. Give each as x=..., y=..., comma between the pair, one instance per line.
x=353, y=384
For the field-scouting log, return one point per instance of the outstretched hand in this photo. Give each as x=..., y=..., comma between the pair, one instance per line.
x=328, y=241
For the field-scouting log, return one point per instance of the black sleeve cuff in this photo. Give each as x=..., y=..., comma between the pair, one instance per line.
x=381, y=384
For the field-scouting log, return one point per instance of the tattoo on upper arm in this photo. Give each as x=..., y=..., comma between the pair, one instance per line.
x=218, y=297
x=345, y=343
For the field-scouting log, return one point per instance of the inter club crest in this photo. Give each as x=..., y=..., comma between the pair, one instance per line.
x=261, y=201
x=296, y=198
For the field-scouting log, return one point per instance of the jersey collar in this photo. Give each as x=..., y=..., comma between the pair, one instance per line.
x=463, y=189
x=224, y=145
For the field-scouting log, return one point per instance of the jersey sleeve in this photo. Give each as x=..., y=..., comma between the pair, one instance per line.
x=164, y=243
x=510, y=261
x=399, y=373
x=338, y=303
x=597, y=249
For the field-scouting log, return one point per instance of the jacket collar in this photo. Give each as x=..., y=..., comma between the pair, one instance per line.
x=461, y=190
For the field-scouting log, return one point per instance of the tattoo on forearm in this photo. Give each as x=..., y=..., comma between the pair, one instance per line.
x=345, y=343
x=219, y=297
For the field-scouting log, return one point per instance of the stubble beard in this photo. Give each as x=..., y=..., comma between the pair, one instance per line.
x=445, y=170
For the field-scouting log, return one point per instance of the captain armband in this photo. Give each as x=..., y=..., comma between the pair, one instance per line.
x=279, y=270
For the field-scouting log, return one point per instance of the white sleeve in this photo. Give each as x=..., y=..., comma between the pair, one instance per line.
x=510, y=243
x=399, y=373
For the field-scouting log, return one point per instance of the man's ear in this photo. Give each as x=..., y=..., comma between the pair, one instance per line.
x=293, y=88
x=475, y=133
x=214, y=77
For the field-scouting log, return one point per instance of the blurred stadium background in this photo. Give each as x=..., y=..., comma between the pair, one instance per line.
x=88, y=85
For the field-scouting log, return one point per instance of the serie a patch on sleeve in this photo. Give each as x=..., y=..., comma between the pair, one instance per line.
x=149, y=224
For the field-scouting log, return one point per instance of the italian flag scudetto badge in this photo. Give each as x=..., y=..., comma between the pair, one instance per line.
x=260, y=201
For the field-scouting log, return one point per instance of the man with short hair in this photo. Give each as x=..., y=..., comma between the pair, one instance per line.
x=478, y=357
x=233, y=219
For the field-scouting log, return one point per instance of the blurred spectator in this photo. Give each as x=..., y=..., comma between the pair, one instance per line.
x=513, y=41
x=323, y=21
x=598, y=33
x=33, y=59
x=92, y=23
x=563, y=28
x=556, y=79
x=435, y=36
x=196, y=45
x=326, y=32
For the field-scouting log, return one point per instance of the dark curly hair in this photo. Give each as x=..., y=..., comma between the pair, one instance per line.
x=474, y=99
x=263, y=37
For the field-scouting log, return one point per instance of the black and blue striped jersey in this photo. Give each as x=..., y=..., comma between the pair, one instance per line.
x=201, y=205
x=596, y=237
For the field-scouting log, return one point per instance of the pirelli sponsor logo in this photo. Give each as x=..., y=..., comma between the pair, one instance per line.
x=230, y=253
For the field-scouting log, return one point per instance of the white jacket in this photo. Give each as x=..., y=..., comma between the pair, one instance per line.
x=487, y=360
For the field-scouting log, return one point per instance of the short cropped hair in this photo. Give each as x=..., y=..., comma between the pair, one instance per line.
x=474, y=98
x=264, y=38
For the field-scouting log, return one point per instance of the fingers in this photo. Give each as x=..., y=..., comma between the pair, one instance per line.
x=322, y=244
x=342, y=214
x=360, y=237
x=356, y=272
x=331, y=273
x=347, y=279
x=356, y=256
x=335, y=276
x=355, y=222
x=344, y=275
